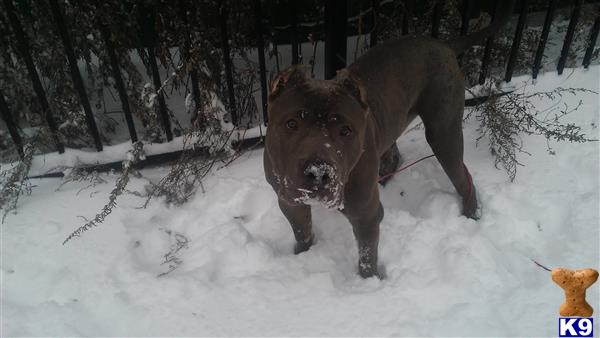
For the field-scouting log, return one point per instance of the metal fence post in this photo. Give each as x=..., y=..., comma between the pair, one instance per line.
x=149, y=40
x=514, y=50
x=294, y=33
x=464, y=26
x=569, y=37
x=485, y=60
x=336, y=16
x=261, y=58
x=75, y=74
x=10, y=123
x=539, y=54
x=121, y=89
x=227, y=60
x=592, y=40
x=162, y=105
x=466, y=14
x=275, y=52
x=186, y=55
x=435, y=20
x=374, y=16
x=407, y=15
x=23, y=47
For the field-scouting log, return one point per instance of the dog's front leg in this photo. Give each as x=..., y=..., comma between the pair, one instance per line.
x=365, y=212
x=299, y=217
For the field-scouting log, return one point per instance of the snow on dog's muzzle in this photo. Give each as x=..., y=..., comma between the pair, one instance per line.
x=318, y=174
x=322, y=185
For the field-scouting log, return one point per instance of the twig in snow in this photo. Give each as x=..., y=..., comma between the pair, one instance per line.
x=171, y=257
x=135, y=155
x=540, y=265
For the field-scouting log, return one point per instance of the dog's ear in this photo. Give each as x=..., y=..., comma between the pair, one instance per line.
x=353, y=86
x=285, y=78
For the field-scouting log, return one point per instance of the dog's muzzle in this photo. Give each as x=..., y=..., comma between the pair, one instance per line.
x=318, y=174
x=322, y=185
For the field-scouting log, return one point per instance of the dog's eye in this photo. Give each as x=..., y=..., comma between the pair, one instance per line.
x=292, y=124
x=345, y=131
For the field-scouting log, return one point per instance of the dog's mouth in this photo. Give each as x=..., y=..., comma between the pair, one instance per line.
x=330, y=201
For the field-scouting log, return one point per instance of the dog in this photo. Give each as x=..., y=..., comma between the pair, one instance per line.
x=329, y=141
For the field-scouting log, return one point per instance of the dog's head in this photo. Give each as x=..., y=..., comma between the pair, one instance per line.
x=315, y=135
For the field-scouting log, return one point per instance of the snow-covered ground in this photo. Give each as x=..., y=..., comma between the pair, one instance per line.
x=446, y=275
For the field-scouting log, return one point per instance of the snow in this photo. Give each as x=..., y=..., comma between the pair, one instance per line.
x=188, y=102
x=55, y=162
x=446, y=275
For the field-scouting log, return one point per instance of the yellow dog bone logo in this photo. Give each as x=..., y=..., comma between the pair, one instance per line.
x=575, y=283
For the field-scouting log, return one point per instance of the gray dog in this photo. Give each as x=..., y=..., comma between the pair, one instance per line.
x=328, y=142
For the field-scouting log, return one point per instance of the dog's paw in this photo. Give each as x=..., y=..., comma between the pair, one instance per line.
x=472, y=208
x=478, y=212
x=368, y=272
x=302, y=246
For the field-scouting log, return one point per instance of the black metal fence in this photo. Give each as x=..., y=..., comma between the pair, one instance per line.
x=335, y=32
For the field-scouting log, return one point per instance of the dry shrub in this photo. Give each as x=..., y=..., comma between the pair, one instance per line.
x=505, y=118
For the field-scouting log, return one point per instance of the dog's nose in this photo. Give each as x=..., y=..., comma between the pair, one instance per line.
x=318, y=173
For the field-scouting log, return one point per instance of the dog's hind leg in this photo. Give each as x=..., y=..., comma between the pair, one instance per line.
x=389, y=162
x=443, y=132
x=300, y=218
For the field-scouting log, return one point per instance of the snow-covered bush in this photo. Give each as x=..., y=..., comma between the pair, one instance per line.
x=204, y=148
x=505, y=118
x=13, y=182
x=14, y=176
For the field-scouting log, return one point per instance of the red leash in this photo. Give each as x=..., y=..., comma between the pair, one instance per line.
x=381, y=178
x=469, y=178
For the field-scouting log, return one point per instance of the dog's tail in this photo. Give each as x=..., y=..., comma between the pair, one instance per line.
x=502, y=15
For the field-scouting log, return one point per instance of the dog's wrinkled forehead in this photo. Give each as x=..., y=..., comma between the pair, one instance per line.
x=315, y=100
x=318, y=104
